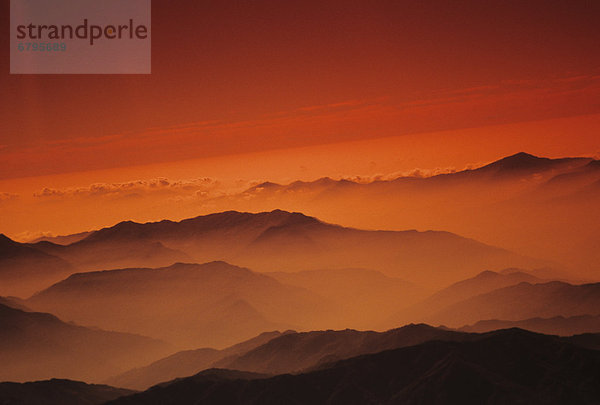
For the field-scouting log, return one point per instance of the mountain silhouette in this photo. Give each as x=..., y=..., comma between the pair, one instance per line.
x=526, y=164
x=276, y=353
x=39, y=345
x=474, y=202
x=521, y=164
x=587, y=172
x=296, y=352
x=58, y=392
x=13, y=302
x=190, y=305
x=25, y=270
x=186, y=363
x=524, y=301
x=482, y=283
x=86, y=255
x=503, y=367
x=62, y=239
x=559, y=325
x=586, y=340
x=290, y=241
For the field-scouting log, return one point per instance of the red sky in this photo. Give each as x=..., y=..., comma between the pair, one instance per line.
x=466, y=81
x=231, y=77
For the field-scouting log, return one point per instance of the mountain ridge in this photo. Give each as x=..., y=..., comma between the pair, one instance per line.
x=524, y=301
x=40, y=345
x=290, y=241
x=502, y=366
x=58, y=392
x=204, y=293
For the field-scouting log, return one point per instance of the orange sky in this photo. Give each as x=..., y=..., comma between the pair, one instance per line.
x=78, y=201
x=301, y=89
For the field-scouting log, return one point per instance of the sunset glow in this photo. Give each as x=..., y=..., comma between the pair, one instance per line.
x=300, y=202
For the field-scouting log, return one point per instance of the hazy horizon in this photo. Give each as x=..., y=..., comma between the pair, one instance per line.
x=307, y=202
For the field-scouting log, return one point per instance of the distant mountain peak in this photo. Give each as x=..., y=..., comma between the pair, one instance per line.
x=523, y=156
x=324, y=181
x=509, y=272
x=5, y=239
x=266, y=185
x=417, y=327
x=524, y=164
x=521, y=160
x=486, y=274
x=219, y=265
x=232, y=215
x=124, y=229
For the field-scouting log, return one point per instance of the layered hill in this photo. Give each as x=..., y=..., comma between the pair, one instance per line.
x=88, y=256
x=586, y=340
x=58, y=392
x=62, y=239
x=191, y=305
x=503, y=367
x=295, y=352
x=482, y=283
x=558, y=325
x=287, y=241
x=471, y=202
x=37, y=346
x=13, y=302
x=524, y=301
x=25, y=269
x=186, y=363
x=278, y=353
x=525, y=164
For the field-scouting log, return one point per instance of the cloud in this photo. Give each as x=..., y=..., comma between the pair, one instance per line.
x=30, y=236
x=415, y=173
x=256, y=186
x=8, y=196
x=135, y=188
